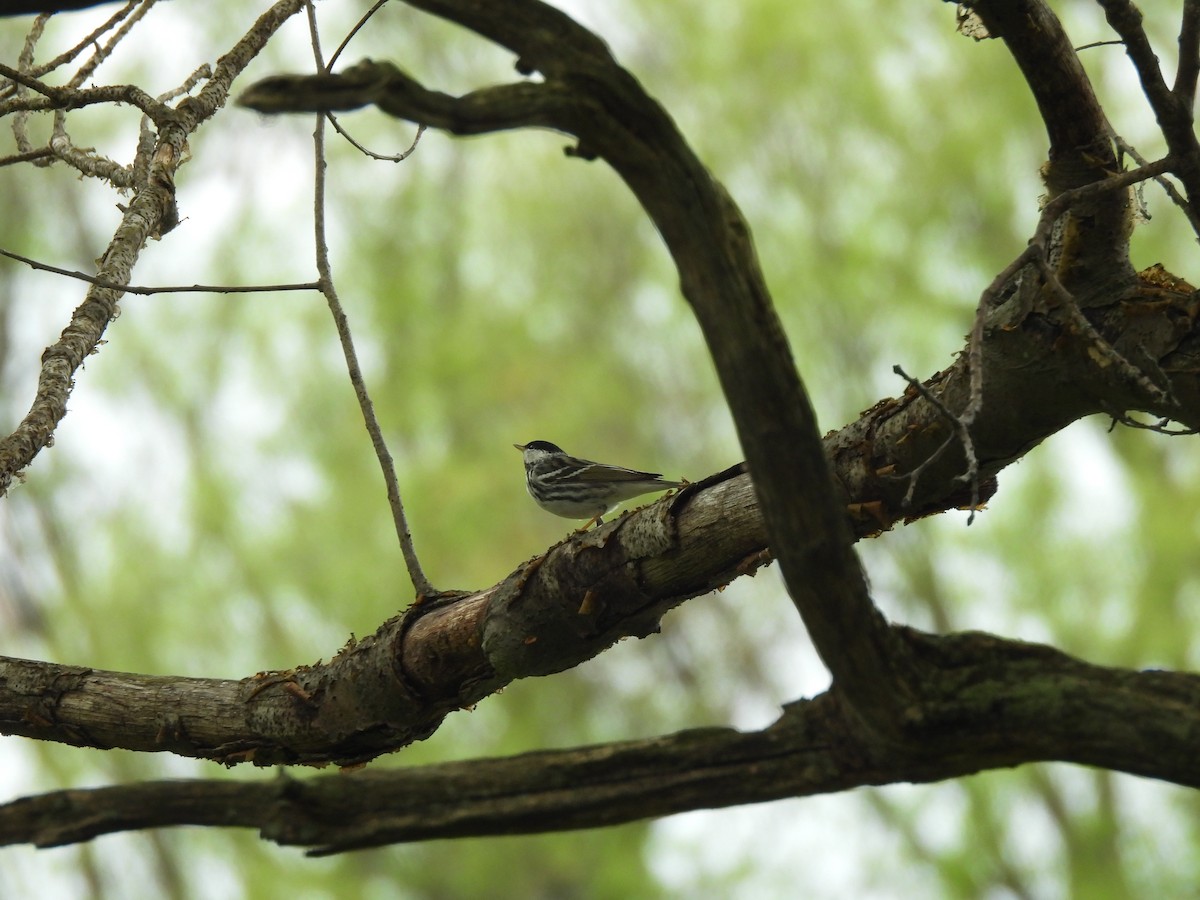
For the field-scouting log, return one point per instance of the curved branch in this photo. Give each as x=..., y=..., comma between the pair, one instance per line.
x=1074, y=120
x=587, y=94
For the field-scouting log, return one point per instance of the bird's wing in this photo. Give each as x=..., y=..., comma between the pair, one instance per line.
x=600, y=472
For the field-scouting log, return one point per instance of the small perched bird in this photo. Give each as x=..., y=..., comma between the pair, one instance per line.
x=579, y=488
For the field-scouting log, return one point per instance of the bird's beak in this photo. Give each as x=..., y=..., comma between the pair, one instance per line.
x=519, y=446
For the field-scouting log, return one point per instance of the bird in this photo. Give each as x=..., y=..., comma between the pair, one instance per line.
x=579, y=488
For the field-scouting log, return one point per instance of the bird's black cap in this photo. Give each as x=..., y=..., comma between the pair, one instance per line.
x=540, y=445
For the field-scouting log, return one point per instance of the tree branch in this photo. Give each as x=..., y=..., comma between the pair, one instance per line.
x=28, y=7
x=162, y=289
x=1188, y=68
x=152, y=212
x=1091, y=247
x=423, y=589
x=587, y=94
x=575, y=601
x=1171, y=110
x=993, y=703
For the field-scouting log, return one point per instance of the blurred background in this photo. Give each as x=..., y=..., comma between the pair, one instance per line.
x=212, y=506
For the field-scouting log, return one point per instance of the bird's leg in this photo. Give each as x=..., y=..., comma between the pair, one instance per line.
x=596, y=520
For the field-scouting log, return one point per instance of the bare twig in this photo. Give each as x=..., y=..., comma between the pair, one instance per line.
x=1165, y=183
x=353, y=31
x=961, y=430
x=42, y=153
x=421, y=585
x=103, y=52
x=398, y=157
x=1097, y=344
x=1159, y=427
x=202, y=72
x=1064, y=201
x=1056, y=208
x=89, y=40
x=164, y=289
x=76, y=98
x=88, y=162
x=17, y=88
x=333, y=120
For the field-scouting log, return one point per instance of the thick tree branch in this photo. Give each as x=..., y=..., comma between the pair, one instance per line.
x=556, y=611
x=1074, y=120
x=996, y=703
x=1091, y=247
x=559, y=610
x=394, y=687
x=1188, y=68
x=587, y=94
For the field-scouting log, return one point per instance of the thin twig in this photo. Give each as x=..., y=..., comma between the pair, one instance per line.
x=20, y=77
x=17, y=90
x=1168, y=187
x=1099, y=345
x=1054, y=210
x=165, y=289
x=421, y=585
x=1094, y=44
x=353, y=31
x=76, y=98
x=398, y=157
x=1064, y=201
x=103, y=52
x=90, y=39
x=88, y=162
x=32, y=156
x=1159, y=427
x=961, y=431
x=203, y=72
